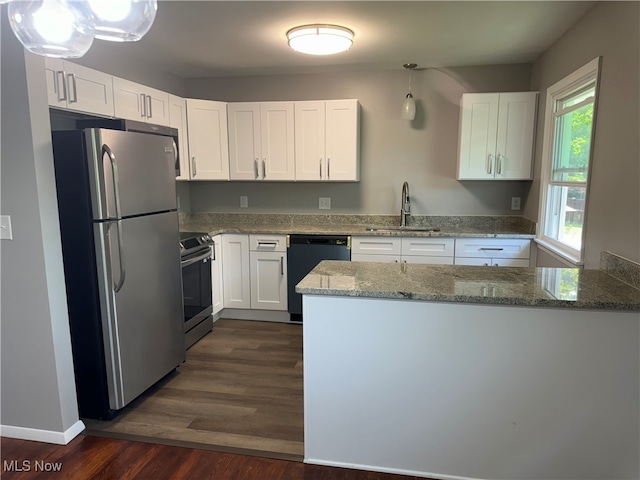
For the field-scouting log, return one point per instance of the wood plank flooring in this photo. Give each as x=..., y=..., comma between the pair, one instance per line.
x=240, y=390
x=93, y=458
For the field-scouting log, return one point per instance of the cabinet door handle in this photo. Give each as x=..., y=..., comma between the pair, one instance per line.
x=499, y=164
x=282, y=266
x=491, y=249
x=193, y=167
x=328, y=168
x=320, y=168
x=72, y=77
x=143, y=108
x=255, y=168
x=150, y=112
x=61, y=86
x=267, y=244
x=489, y=166
x=264, y=168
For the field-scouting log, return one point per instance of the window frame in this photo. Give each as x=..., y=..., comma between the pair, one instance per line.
x=571, y=84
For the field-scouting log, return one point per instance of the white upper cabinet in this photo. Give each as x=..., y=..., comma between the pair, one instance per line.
x=327, y=140
x=178, y=119
x=208, y=143
x=261, y=141
x=134, y=101
x=496, y=136
x=78, y=88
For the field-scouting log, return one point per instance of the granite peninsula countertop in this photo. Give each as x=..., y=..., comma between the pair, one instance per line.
x=384, y=225
x=538, y=287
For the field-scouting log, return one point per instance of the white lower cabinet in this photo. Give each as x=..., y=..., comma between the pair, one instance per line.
x=236, y=273
x=217, y=288
x=424, y=250
x=507, y=252
x=254, y=271
x=268, y=257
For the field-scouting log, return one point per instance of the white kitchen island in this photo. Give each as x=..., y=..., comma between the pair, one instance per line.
x=471, y=372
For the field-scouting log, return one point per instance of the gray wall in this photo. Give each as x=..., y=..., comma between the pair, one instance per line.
x=609, y=30
x=393, y=150
x=38, y=389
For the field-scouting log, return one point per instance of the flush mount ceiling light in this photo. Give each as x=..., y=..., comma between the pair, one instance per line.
x=320, y=39
x=66, y=28
x=409, y=104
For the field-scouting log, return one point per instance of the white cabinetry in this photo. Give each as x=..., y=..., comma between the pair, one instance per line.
x=217, y=288
x=496, y=136
x=208, y=144
x=134, y=101
x=268, y=259
x=236, y=271
x=434, y=251
x=178, y=119
x=327, y=140
x=508, y=252
x=425, y=250
x=73, y=87
x=261, y=141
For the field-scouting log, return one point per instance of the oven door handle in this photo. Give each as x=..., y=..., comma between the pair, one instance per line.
x=191, y=261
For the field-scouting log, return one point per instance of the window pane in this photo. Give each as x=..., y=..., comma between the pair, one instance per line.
x=572, y=145
x=565, y=214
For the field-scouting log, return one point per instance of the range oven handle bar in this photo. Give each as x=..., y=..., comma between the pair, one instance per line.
x=191, y=261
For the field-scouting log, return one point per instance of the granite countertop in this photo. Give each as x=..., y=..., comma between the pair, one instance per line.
x=538, y=287
x=385, y=225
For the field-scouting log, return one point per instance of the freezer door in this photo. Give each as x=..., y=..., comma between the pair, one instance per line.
x=141, y=301
x=131, y=173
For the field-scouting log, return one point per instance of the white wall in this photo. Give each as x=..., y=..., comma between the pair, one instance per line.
x=422, y=152
x=610, y=30
x=38, y=398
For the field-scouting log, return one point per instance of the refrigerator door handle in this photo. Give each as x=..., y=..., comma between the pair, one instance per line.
x=116, y=196
x=117, y=286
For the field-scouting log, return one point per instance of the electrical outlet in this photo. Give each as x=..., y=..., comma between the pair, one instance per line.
x=5, y=228
x=324, y=203
x=515, y=203
x=244, y=201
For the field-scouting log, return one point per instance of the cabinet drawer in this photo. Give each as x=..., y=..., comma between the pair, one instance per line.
x=267, y=243
x=429, y=247
x=492, y=248
x=377, y=245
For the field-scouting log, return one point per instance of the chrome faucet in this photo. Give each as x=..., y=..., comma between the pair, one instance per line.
x=405, y=209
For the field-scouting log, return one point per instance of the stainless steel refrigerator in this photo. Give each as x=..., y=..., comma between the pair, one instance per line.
x=119, y=228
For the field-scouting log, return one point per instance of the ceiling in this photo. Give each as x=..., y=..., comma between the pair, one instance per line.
x=223, y=38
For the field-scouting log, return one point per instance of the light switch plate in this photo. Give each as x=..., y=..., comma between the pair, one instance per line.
x=5, y=228
x=324, y=203
x=244, y=201
x=515, y=203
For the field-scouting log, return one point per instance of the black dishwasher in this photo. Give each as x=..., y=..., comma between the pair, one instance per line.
x=304, y=252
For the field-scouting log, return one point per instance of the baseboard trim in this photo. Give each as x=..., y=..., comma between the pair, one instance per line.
x=259, y=315
x=396, y=471
x=46, y=436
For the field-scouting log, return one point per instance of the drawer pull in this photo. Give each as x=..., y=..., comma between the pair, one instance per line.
x=491, y=249
x=267, y=244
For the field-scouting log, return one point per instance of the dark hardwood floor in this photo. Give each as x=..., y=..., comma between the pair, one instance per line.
x=90, y=457
x=240, y=390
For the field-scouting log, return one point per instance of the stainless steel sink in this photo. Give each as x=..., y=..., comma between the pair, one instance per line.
x=403, y=229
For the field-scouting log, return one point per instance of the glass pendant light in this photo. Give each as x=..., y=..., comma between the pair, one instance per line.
x=122, y=20
x=53, y=28
x=409, y=104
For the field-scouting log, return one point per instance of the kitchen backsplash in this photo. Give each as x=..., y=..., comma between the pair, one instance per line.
x=621, y=268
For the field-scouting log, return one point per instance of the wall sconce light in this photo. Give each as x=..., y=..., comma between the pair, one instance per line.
x=320, y=39
x=409, y=104
x=66, y=28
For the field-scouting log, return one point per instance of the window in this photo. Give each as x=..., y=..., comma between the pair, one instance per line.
x=568, y=140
